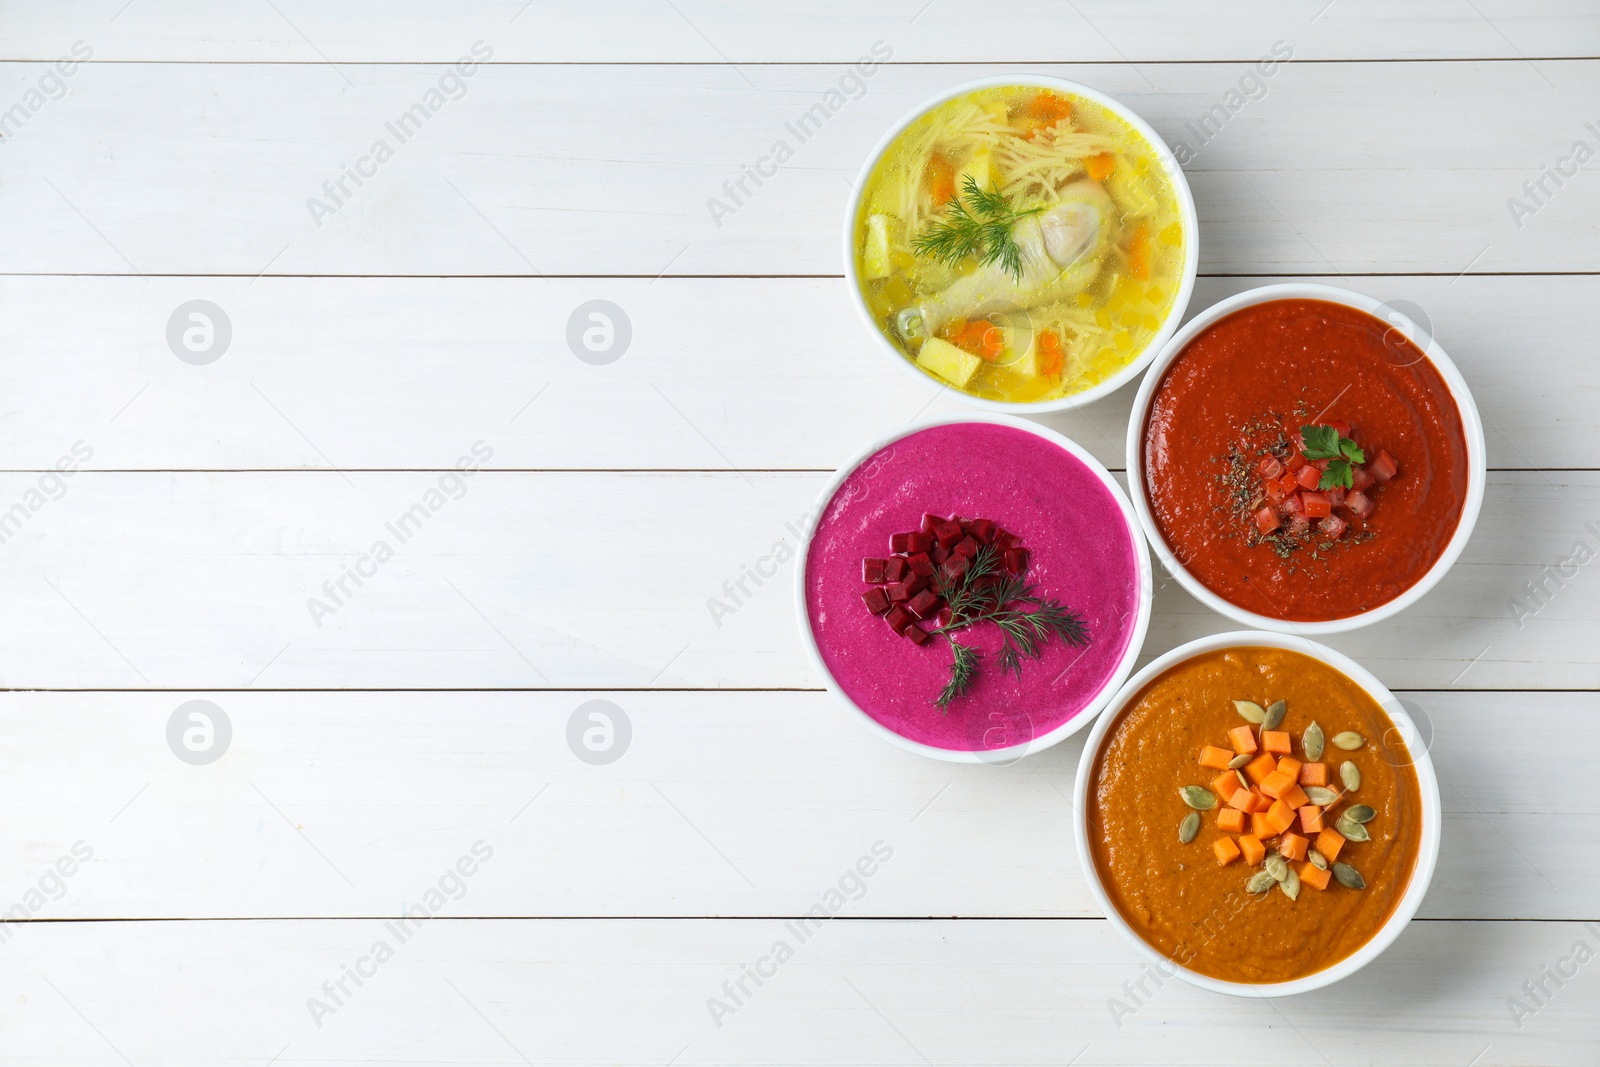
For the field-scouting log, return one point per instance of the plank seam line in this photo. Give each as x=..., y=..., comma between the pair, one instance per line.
x=669, y=918
x=1130, y=63
x=774, y=277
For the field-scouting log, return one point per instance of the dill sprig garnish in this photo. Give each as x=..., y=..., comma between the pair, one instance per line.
x=986, y=593
x=978, y=222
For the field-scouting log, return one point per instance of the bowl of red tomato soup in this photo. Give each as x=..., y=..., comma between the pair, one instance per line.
x=1305, y=459
x=973, y=589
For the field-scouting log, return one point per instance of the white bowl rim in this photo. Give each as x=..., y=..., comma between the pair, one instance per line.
x=1136, y=635
x=1422, y=763
x=1186, y=207
x=1471, y=426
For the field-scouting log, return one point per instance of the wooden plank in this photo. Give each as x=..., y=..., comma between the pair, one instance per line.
x=595, y=580
x=156, y=168
x=716, y=804
x=1102, y=30
x=370, y=373
x=855, y=992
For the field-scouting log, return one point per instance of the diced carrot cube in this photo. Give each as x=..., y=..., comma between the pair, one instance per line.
x=1225, y=785
x=1276, y=741
x=1293, y=847
x=1280, y=816
x=1252, y=848
x=1215, y=758
x=1242, y=799
x=1314, y=774
x=1314, y=876
x=1290, y=766
x=1295, y=797
x=1329, y=842
x=1242, y=738
x=1260, y=827
x=1311, y=819
x=1225, y=849
x=1230, y=821
x=1276, y=784
x=1260, y=767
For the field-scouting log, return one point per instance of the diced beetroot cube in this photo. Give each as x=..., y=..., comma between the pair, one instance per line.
x=1016, y=561
x=939, y=554
x=900, y=543
x=1383, y=468
x=1266, y=520
x=945, y=616
x=920, y=564
x=981, y=531
x=929, y=522
x=1270, y=468
x=955, y=567
x=917, y=583
x=1309, y=475
x=877, y=600
x=1004, y=540
x=920, y=542
x=918, y=635
x=949, y=533
x=1360, y=480
x=925, y=604
x=1333, y=526
x=966, y=547
x=898, y=619
x=1335, y=496
x=899, y=591
x=872, y=571
x=1359, y=503
x=895, y=568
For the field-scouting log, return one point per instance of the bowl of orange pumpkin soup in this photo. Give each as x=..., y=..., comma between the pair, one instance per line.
x=1305, y=459
x=1251, y=816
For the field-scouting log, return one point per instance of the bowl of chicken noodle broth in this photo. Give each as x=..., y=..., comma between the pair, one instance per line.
x=1028, y=242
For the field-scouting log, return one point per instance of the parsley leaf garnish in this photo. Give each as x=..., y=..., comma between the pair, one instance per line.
x=1324, y=442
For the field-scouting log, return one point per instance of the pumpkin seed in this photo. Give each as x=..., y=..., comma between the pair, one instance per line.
x=1348, y=876
x=1316, y=860
x=1350, y=775
x=1291, y=886
x=1349, y=740
x=1189, y=827
x=1359, y=813
x=1260, y=882
x=1312, y=742
x=1250, y=711
x=1321, y=795
x=1275, y=713
x=1277, y=866
x=1243, y=781
x=1351, y=830
x=1239, y=761
x=1198, y=797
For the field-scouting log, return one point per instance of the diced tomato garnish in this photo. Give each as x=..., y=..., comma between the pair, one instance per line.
x=1276, y=492
x=1333, y=526
x=1266, y=520
x=1342, y=427
x=1335, y=496
x=1359, y=503
x=1320, y=464
x=1383, y=468
x=1296, y=461
x=1308, y=476
x=1299, y=525
x=1292, y=505
x=1269, y=468
x=1316, y=505
x=1360, y=479
x=1291, y=430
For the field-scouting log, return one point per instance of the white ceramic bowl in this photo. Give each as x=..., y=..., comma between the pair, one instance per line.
x=1471, y=427
x=1428, y=785
x=1169, y=165
x=1003, y=754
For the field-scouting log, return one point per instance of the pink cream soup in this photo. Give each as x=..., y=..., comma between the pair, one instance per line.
x=1081, y=554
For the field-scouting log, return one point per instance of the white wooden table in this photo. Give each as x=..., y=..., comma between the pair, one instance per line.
x=183, y=912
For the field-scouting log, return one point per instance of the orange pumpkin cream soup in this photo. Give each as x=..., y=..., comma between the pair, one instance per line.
x=1254, y=816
